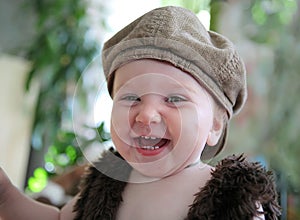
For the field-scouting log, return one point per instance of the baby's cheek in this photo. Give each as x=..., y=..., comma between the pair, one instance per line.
x=196, y=125
x=119, y=118
x=119, y=129
x=190, y=119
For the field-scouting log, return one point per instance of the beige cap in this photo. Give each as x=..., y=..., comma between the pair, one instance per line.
x=176, y=35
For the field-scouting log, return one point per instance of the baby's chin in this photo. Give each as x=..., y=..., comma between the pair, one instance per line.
x=143, y=176
x=154, y=171
x=148, y=172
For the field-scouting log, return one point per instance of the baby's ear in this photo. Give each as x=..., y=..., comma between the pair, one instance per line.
x=216, y=130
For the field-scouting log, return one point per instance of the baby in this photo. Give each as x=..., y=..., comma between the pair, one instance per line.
x=175, y=86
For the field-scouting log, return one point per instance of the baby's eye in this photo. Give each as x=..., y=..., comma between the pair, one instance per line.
x=131, y=98
x=175, y=99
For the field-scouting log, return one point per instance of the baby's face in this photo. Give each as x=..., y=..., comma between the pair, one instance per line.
x=161, y=117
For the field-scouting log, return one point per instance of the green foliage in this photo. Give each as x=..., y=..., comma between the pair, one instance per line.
x=215, y=9
x=38, y=181
x=193, y=5
x=65, y=151
x=63, y=47
x=275, y=24
x=63, y=154
x=271, y=18
x=59, y=53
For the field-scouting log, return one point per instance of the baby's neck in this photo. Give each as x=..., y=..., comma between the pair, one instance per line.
x=137, y=177
x=165, y=198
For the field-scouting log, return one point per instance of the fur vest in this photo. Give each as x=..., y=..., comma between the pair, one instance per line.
x=231, y=194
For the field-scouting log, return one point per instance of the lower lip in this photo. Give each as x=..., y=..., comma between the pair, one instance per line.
x=154, y=152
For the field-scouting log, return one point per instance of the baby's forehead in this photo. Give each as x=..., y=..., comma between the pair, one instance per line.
x=152, y=74
x=153, y=82
x=152, y=70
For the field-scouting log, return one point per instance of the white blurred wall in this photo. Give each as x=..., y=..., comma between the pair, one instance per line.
x=15, y=117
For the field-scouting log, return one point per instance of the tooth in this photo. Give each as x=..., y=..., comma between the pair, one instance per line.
x=150, y=147
x=148, y=137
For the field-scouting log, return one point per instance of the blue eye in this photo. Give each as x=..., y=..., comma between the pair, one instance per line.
x=175, y=99
x=131, y=98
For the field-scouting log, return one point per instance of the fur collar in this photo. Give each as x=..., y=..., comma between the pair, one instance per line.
x=232, y=192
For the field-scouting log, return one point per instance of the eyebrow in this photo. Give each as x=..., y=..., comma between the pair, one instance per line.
x=174, y=86
x=179, y=86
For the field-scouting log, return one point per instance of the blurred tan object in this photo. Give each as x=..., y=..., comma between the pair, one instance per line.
x=16, y=115
x=62, y=188
x=70, y=181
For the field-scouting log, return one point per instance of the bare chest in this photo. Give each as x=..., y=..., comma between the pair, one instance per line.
x=160, y=200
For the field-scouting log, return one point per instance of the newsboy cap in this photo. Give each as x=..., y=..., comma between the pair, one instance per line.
x=176, y=35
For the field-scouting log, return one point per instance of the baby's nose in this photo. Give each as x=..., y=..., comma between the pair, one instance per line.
x=148, y=114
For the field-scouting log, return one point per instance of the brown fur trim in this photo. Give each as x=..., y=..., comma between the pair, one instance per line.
x=232, y=192
x=101, y=195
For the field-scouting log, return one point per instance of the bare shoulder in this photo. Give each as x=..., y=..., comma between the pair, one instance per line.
x=67, y=212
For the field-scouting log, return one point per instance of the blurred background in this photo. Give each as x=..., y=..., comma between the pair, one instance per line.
x=55, y=109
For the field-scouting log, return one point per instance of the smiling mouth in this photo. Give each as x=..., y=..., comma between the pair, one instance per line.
x=151, y=143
